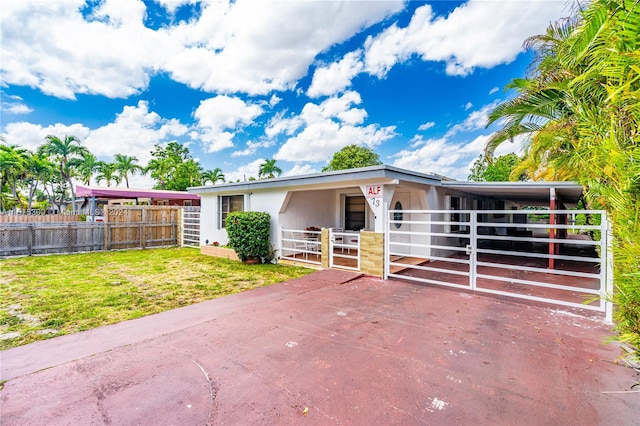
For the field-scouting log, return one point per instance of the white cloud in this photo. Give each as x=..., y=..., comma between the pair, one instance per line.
x=453, y=154
x=494, y=90
x=253, y=147
x=337, y=76
x=426, y=126
x=134, y=132
x=476, y=120
x=233, y=46
x=31, y=136
x=327, y=128
x=244, y=172
x=301, y=169
x=468, y=106
x=478, y=33
x=219, y=115
x=50, y=46
x=258, y=47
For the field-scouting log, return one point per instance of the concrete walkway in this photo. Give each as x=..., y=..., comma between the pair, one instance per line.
x=330, y=348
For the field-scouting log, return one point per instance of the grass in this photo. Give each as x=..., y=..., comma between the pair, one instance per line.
x=48, y=296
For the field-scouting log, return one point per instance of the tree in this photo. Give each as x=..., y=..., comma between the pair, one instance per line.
x=212, y=176
x=39, y=171
x=67, y=154
x=497, y=170
x=173, y=168
x=108, y=172
x=87, y=167
x=351, y=157
x=268, y=169
x=579, y=110
x=13, y=167
x=126, y=165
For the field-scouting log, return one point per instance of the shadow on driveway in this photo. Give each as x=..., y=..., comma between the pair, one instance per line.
x=330, y=348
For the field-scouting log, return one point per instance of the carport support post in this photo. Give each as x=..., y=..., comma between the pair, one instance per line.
x=608, y=234
x=552, y=230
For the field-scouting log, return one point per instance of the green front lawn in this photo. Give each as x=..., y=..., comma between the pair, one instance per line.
x=47, y=296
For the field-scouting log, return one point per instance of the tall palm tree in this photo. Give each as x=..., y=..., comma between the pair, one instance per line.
x=108, y=172
x=212, y=176
x=39, y=172
x=126, y=165
x=67, y=154
x=268, y=169
x=160, y=169
x=87, y=167
x=13, y=166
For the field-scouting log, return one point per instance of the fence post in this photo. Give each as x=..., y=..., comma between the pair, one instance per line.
x=31, y=239
x=69, y=238
x=180, y=227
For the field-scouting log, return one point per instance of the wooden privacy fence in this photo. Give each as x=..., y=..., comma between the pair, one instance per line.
x=37, y=218
x=125, y=227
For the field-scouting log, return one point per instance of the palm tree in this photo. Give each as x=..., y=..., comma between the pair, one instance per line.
x=108, y=172
x=268, y=169
x=13, y=167
x=39, y=172
x=87, y=167
x=160, y=168
x=580, y=111
x=126, y=165
x=67, y=154
x=212, y=176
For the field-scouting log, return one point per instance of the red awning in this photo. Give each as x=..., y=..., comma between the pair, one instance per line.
x=156, y=194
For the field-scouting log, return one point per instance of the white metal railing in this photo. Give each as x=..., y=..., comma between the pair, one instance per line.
x=301, y=245
x=344, y=250
x=527, y=254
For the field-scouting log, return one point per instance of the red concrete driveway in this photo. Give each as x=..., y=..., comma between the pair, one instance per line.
x=330, y=348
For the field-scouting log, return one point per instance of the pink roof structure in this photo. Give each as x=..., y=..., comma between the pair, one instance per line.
x=156, y=194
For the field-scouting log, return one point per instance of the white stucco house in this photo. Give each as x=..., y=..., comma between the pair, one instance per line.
x=517, y=239
x=355, y=201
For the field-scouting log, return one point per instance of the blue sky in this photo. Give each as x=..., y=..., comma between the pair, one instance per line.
x=241, y=81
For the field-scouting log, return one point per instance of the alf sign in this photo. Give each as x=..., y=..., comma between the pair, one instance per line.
x=374, y=191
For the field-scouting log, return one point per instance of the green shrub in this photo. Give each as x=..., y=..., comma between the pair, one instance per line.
x=248, y=234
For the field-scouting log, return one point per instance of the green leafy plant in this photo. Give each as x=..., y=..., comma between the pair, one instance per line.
x=249, y=234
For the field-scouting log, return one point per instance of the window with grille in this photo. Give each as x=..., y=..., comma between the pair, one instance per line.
x=228, y=204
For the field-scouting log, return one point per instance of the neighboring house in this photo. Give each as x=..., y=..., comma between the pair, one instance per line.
x=134, y=196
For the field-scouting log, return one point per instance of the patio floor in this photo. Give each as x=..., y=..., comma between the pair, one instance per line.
x=331, y=348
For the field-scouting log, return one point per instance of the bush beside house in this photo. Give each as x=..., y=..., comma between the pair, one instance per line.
x=248, y=234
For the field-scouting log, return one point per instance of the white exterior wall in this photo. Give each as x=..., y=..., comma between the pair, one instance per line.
x=309, y=208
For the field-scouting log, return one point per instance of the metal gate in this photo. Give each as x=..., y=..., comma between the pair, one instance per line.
x=191, y=226
x=344, y=249
x=552, y=256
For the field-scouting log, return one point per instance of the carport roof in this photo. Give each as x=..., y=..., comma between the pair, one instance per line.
x=522, y=192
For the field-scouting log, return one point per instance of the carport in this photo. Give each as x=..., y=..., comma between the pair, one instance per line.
x=535, y=250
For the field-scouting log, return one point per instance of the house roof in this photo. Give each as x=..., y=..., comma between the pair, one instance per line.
x=348, y=177
x=533, y=193
x=101, y=192
x=523, y=192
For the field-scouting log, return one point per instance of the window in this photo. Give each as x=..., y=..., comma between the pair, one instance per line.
x=187, y=203
x=354, y=213
x=228, y=204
